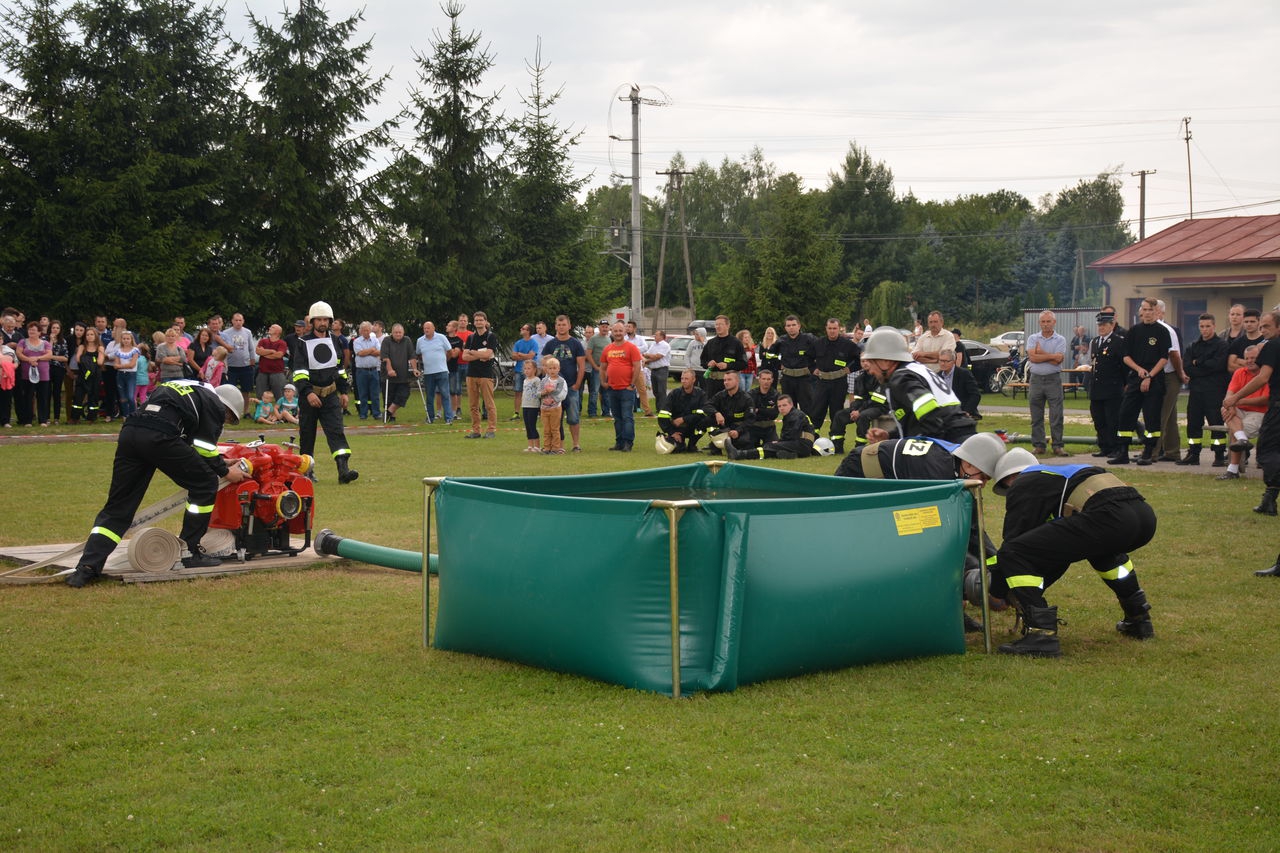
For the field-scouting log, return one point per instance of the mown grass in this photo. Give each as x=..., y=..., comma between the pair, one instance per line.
x=298, y=710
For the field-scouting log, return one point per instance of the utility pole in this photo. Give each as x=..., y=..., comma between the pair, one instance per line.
x=1186, y=126
x=1142, y=201
x=677, y=183
x=637, y=202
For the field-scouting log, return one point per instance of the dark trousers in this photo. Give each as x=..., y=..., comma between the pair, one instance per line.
x=1269, y=447
x=31, y=400
x=140, y=452
x=329, y=417
x=658, y=379
x=799, y=388
x=1033, y=561
x=1106, y=423
x=532, y=415
x=1204, y=405
x=1148, y=404
x=827, y=400
x=110, y=405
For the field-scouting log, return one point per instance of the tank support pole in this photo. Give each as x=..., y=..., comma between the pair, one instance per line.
x=429, y=486
x=674, y=509
x=975, y=488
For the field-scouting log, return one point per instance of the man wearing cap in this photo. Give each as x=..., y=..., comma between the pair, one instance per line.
x=1106, y=390
x=322, y=386
x=1055, y=516
x=176, y=431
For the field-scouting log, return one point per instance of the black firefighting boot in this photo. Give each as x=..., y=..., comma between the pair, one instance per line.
x=346, y=474
x=1219, y=456
x=83, y=576
x=1137, y=620
x=199, y=559
x=1039, y=634
x=1192, y=457
x=1148, y=452
x=1268, y=505
x=1273, y=572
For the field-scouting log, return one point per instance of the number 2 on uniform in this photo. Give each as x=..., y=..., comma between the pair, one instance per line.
x=915, y=447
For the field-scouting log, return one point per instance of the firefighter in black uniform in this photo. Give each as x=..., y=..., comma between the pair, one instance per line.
x=721, y=354
x=862, y=385
x=764, y=404
x=834, y=358
x=1205, y=362
x=731, y=413
x=1056, y=515
x=795, y=362
x=909, y=393
x=322, y=386
x=925, y=458
x=796, y=441
x=1146, y=351
x=1106, y=356
x=176, y=431
x=683, y=418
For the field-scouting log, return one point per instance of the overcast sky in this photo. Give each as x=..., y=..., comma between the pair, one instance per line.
x=955, y=97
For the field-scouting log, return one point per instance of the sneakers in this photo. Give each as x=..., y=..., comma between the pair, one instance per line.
x=514, y=418
x=1060, y=451
x=1228, y=475
x=1240, y=446
x=200, y=560
x=490, y=434
x=1038, y=450
x=528, y=449
x=470, y=434
x=83, y=576
x=577, y=449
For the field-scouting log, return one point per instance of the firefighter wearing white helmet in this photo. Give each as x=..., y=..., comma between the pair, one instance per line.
x=979, y=457
x=323, y=385
x=175, y=432
x=1055, y=516
x=917, y=400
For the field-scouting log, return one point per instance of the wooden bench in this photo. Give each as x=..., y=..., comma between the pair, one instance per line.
x=1072, y=388
x=1015, y=388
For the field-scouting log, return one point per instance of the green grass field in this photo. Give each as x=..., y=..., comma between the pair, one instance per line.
x=297, y=709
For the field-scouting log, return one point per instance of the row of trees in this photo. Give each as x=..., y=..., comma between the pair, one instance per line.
x=153, y=166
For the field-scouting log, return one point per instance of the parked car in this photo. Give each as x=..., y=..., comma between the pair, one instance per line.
x=707, y=325
x=679, y=349
x=984, y=360
x=1009, y=339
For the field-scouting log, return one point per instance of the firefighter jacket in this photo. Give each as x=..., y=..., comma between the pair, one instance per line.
x=191, y=410
x=317, y=366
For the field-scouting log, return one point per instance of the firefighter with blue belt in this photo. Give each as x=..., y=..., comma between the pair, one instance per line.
x=323, y=386
x=1055, y=516
x=175, y=432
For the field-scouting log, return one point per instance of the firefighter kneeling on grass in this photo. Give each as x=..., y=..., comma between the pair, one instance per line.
x=175, y=432
x=322, y=386
x=1055, y=516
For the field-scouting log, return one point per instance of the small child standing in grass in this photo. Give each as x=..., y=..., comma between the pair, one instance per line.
x=553, y=391
x=531, y=404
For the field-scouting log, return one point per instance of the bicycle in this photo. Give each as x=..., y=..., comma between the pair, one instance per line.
x=1014, y=371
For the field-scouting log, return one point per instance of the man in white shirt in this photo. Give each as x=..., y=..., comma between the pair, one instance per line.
x=932, y=342
x=658, y=361
x=368, y=352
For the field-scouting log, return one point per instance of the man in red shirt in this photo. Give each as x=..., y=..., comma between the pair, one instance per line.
x=271, y=352
x=622, y=376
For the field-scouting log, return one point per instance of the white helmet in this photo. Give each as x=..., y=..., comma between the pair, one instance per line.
x=983, y=451
x=231, y=398
x=824, y=446
x=888, y=344
x=1015, y=461
x=320, y=309
x=718, y=438
x=663, y=445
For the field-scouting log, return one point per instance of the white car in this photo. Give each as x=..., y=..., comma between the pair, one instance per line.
x=1009, y=339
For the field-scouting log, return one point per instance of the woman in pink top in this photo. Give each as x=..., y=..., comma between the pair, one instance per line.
x=34, y=355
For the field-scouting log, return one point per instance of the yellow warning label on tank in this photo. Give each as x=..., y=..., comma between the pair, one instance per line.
x=911, y=521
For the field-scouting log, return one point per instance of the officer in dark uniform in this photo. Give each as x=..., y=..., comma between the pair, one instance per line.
x=721, y=354
x=683, y=418
x=730, y=413
x=764, y=404
x=795, y=362
x=1205, y=363
x=176, y=431
x=796, y=441
x=834, y=358
x=1106, y=356
x=1146, y=351
x=1056, y=515
x=323, y=386
x=909, y=393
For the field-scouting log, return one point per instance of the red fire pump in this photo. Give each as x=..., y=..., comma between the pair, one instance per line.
x=276, y=501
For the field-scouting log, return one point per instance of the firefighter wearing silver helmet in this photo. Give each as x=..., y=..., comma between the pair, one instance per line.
x=915, y=398
x=323, y=385
x=175, y=432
